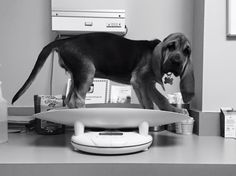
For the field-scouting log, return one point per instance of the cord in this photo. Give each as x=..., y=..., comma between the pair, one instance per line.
x=126, y=31
x=51, y=75
x=52, y=69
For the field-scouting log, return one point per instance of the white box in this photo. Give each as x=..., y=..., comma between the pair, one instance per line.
x=228, y=122
x=67, y=21
x=230, y=125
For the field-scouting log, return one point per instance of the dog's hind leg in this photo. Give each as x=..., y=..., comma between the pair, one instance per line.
x=69, y=95
x=82, y=79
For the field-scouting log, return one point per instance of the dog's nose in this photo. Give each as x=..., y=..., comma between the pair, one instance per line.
x=176, y=59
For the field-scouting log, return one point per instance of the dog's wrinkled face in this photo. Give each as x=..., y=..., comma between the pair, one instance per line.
x=176, y=52
x=172, y=55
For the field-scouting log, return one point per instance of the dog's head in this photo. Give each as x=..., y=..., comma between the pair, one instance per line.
x=172, y=55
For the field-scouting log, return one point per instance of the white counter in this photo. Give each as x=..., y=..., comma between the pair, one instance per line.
x=170, y=154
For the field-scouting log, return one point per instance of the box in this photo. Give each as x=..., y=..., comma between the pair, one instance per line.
x=67, y=21
x=228, y=122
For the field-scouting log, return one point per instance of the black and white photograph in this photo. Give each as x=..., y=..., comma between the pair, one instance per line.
x=118, y=88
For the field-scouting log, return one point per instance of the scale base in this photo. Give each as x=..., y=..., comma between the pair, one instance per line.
x=111, y=143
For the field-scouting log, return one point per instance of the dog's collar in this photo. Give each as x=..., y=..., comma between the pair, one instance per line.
x=168, y=78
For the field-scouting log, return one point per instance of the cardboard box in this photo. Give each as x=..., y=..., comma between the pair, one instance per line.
x=228, y=123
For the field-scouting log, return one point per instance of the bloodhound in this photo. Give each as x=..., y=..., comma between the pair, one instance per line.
x=140, y=63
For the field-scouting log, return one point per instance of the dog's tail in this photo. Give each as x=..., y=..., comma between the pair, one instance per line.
x=37, y=67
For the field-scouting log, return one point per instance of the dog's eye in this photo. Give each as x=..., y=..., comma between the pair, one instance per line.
x=171, y=47
x=187, y=51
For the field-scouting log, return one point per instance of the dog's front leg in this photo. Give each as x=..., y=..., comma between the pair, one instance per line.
x=161, y=101
x=140, y=89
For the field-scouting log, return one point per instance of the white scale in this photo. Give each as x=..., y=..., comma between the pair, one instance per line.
x=111, y=141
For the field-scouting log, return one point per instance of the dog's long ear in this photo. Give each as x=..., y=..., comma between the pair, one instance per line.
x=157, y=58
x=187, y=83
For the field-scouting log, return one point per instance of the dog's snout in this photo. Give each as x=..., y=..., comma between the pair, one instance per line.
x=176, y=59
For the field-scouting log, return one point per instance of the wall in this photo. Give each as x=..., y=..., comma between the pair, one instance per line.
x=197, y=52
x=219, y=59
x=26, y=29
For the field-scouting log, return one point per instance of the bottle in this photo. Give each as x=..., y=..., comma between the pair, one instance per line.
x=3, y=118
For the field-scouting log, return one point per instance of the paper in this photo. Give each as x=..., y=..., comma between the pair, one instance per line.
x=98, y=91
x=120, y=94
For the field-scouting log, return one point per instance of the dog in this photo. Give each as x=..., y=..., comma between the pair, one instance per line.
x=140, y=63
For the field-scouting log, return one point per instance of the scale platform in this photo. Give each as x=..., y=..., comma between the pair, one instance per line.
x=111, y=141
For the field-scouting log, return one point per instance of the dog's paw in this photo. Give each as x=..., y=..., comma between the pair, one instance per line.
x=75, y=102
x=182, y=111
x=73, y=105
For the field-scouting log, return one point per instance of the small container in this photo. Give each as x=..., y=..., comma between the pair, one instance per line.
x=46, y=103
x=185, y=127
x=176, y=127
x=171, y=127
x=3, y=118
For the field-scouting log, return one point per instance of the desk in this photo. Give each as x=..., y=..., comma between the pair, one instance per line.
x=29, y=154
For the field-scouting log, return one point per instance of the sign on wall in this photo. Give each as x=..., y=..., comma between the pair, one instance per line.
x=231, y=17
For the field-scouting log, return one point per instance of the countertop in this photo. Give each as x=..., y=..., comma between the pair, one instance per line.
x=169, y=154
